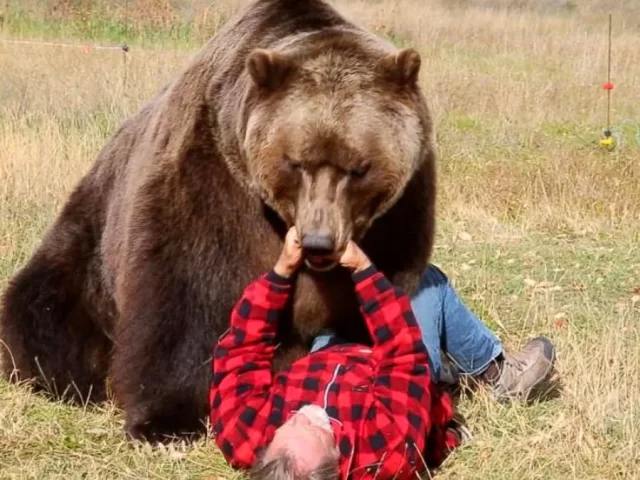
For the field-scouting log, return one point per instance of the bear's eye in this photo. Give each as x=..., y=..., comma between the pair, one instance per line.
x=292, y=164
x=361, y=171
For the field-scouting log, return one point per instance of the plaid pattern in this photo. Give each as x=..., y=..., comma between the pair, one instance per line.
x=391, y=420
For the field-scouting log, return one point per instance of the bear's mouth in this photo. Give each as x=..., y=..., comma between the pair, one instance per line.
x=320, y=264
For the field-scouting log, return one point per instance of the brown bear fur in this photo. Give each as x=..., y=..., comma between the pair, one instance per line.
x=190, y=200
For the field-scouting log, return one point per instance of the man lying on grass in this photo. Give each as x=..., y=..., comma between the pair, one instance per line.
x=344, y=411
x=294, y=422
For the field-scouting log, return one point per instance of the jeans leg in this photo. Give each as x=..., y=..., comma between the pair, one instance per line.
x=448, y=325
x=427, y=308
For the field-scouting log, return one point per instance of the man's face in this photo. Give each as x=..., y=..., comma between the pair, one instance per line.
x=308, y=441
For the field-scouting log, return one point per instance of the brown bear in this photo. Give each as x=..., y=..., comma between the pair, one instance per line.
x=290, y=115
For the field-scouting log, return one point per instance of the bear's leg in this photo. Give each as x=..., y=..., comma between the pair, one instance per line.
x=48, y=334
x=162, y=361
x=160, y=379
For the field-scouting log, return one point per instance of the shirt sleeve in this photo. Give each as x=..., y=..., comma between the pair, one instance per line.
x=242, y=375
x=407, y=414
x=397, y=338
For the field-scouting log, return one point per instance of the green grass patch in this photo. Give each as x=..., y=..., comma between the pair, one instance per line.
x=99, y=27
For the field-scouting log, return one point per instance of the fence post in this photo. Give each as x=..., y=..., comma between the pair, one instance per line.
x=125, y=53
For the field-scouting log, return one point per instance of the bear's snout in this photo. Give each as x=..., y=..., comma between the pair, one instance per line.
x=318, y=249
x=318, y=244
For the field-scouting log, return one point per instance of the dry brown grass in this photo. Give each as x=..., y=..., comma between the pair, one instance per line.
x=538, y=228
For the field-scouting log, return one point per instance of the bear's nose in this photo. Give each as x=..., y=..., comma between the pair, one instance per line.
x=317, y=244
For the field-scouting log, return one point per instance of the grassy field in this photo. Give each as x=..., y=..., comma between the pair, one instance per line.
x=537, y=226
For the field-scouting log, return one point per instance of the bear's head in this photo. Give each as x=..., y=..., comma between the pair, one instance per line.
x=334, y=129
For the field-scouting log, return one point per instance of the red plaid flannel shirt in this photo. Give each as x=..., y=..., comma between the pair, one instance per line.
x=391, y=420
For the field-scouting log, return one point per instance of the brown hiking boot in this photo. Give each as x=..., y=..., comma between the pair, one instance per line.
x=518, y=374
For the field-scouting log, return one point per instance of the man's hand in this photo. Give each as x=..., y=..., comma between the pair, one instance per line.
x=291, y=255
x=354, y=258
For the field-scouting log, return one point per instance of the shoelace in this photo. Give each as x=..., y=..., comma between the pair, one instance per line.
x=513, y=361
x=515, y=365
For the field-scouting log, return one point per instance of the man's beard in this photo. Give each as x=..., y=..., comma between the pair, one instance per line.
x=317, y=416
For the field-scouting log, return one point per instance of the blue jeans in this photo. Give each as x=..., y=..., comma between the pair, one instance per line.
x=447, y=326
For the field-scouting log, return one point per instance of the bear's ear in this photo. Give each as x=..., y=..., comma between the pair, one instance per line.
x=268, y=68
x=402, y=67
